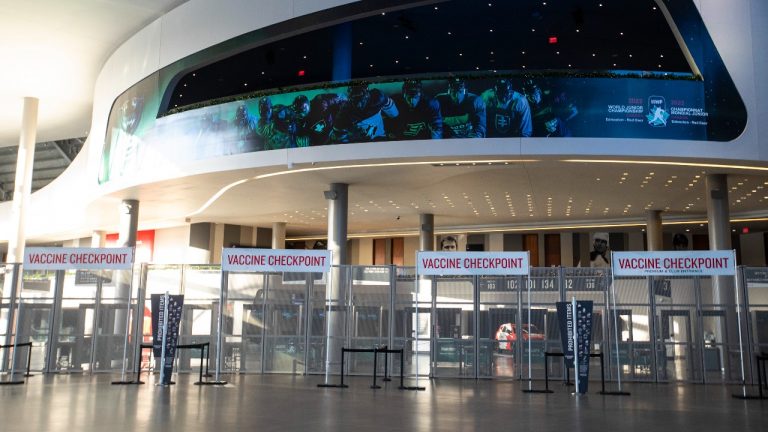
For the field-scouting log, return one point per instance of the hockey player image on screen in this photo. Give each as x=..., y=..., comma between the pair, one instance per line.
x=315, y=118
x=508, y=112
x=463, y=112
x=265, y=127
x=419, y=116
x=282, y=129
x=361, y=118
x=551, y=110
x=246, y=125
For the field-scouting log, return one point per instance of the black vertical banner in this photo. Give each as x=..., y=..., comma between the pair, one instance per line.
x=583, y=341
x=175, y=304
x=565, y=319
x=582, y=325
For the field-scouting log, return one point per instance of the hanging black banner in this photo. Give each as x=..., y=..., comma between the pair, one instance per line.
x=581, y=324
x=159, y=311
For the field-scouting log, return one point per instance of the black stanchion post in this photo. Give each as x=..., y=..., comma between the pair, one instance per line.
x=546, y=375
x=203, y=359
x=29, y=359
x=375, y=366
x=546, y=372
x=760, y=375
x=602, y=374
x=202, y=356
x=602, y=378
x=386, y=364
x=342, y=366
x=207, y=359
x=10, y=380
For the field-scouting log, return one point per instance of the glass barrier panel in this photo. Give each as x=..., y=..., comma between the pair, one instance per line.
x=199, y=317
x=316, y=340
x=630, y=325
x=34, y=317
x=244, y=322
x=498, y=308
x=412, y=318
x=285, y=322
x=370, y=313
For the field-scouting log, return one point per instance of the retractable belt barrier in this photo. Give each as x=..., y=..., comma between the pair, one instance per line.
x=762, y=379
x=547, y=355
x=29, y=363
x=376, y=351
x=204, y=348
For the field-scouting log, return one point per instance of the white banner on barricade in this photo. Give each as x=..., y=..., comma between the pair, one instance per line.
x=472, y=263
x=678, y=263
x=59, y=258
x=275, y=260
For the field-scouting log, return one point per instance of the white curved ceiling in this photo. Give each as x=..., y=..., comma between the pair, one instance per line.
x=54, y=50
x=469, y=197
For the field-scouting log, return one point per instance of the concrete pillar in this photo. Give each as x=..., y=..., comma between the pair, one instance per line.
x=654, y=231
x=129, y=223
x=22, y=187
x=127, y=231
x=278, y=235
x=337, y=222
x=723, y=287
x=426, y=232
x=718, y=214
x=337, y=198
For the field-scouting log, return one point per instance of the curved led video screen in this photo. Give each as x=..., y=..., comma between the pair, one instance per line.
x=150, y=125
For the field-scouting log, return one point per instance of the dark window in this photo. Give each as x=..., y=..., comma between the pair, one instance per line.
x=453, y=36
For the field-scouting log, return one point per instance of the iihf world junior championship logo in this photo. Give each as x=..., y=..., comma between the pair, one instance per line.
x=657, y=111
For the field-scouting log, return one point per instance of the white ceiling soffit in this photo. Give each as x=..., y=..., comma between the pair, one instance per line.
x=54, y=50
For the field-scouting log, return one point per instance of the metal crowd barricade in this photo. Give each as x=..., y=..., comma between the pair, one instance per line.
x=12, y=372
x=267, y=322
x=57, y=296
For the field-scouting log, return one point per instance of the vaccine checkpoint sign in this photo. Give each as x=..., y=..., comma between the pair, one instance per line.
x=687, y=263
x=275, y=260
x=472, y=263
x=78, y=258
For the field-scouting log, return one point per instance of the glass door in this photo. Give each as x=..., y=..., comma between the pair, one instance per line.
x=453, y=329
x=677, y=359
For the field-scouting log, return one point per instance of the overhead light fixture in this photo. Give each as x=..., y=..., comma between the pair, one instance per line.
x=668, y=163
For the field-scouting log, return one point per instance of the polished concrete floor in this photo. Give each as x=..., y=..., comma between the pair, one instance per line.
x=84, y=403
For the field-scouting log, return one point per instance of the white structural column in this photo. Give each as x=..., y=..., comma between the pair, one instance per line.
x=129, y=223
x=718, y=214
x=337, y=222
x=278, y=235
x=723, y=288
x=426, y=232
x=127, y=232
x=22, y=188
x=337, y=198
x=653, y=230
